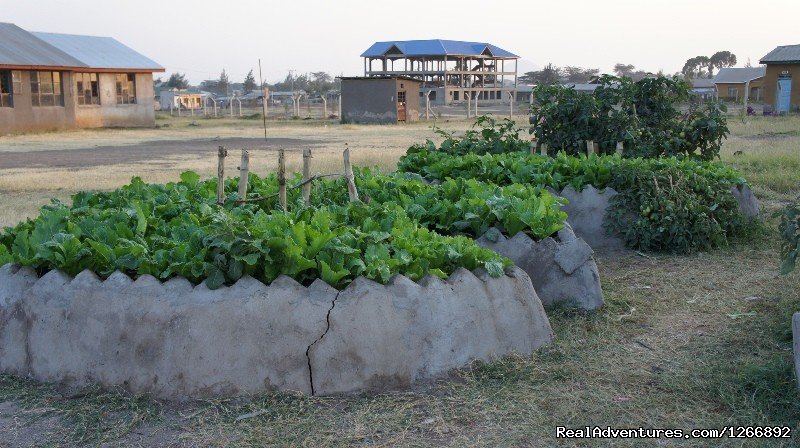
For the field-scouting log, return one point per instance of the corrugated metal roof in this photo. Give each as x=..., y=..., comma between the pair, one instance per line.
x=784, y=53
x=99, y=52
x=21, y=48
x=739, y=75
x=702, y=83
x=434, y=47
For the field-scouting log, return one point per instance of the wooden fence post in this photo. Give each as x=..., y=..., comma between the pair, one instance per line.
x=620, y=147
x=589, y=147
x=533, y=146
x=221, y=153
x=544, y=149
x=348, y=174
x=282, y=178
x=244, y=170
x=307, y=176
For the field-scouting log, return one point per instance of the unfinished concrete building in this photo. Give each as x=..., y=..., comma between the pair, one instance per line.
x=450, y=71
x=61, y=81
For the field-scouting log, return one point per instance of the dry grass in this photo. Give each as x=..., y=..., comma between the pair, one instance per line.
x=684, y=341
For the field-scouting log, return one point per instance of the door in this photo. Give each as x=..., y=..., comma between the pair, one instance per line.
x=401, y=106
x=784, y=94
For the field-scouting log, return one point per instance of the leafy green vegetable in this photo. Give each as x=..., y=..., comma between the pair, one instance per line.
x=790, y=233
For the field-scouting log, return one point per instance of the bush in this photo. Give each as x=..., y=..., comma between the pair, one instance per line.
x=493, y=137
x=644, y=115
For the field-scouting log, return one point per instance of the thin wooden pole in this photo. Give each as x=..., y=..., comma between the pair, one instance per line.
x=307, y=176
x=244, y=170
x=544, y=149
x=221, y=153
x=282, y=178
x=348, y=174
x=533, y=146
x=620, y=147
x=589, y=147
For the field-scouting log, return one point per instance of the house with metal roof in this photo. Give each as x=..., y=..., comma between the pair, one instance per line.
x=450, y=71
x=731, y=83
x=61, y=81
x=782, y=79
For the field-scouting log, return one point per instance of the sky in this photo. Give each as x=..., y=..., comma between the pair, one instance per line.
x=201, y=37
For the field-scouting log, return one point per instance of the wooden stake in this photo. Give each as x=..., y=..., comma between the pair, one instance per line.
x=589, y=147
x=533, y=146
x=282, y=178
x=307, y=176
x=348, y=174
x=620, y=147
x=544, y=149
x=221, y=153
x=244, y=170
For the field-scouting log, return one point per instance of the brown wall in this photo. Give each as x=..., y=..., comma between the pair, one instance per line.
x=771, y=83
x=111, y=114
x=722, y=90
x=374, y=100
x=24, y=117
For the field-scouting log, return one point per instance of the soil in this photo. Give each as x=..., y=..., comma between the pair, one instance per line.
x=141, y=152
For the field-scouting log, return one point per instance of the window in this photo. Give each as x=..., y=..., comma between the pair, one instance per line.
x=87, y=90
x=5, y=88
x=733, y=92
x=401, y=97
x=126, y=88
x=46, y=89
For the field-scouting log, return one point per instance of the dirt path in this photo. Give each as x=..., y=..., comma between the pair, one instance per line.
x=146, y=151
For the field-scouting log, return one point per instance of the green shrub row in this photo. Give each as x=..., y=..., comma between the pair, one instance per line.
x=789, y=229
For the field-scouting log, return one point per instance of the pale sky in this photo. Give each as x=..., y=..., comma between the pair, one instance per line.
x=202, y=37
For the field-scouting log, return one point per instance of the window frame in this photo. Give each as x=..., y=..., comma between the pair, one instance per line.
x=93, y=90
x=40, y=96
x=6, y=89
x=126, y=94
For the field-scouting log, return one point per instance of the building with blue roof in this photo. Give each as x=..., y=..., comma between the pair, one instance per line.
x=57, y=81
x=450, y=71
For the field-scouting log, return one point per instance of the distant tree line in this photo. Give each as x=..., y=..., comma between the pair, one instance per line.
x=703, y=66
x=313, y=83
x=552, y=74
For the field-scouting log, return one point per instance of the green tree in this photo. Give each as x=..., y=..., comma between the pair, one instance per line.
x=578, y=75
x=719, y=60
x=249, y=82
x=693, y=68
x=549, y=75
x=177, y=81
x=320, y=82
x=623, y=70
x=223, y=83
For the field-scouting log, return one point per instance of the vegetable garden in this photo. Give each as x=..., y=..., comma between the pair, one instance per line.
x=429, y=221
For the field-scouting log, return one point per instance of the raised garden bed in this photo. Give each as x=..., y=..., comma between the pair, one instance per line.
x=175, y=341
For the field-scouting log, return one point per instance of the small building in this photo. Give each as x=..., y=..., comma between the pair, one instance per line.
x=389, y=99
x=731, y=82
x=782, y=79
x=448, y=70
x=183, y=99
x=62, y=81
x=703, y=88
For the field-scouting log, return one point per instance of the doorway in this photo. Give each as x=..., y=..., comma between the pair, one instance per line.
x=401, y=106
x=783, y=102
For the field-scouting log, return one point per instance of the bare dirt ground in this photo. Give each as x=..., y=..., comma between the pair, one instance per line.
x=145, y=151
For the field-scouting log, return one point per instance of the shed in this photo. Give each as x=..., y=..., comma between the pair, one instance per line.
x=389, y=99
x=782, y=79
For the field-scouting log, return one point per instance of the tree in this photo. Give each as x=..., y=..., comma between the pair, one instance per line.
x=320, y=83
x=578, y=75
x=550, y=74
x=693, y=68
x=177, y=81
x=249, y=82
x=223, y=83
x=720, y=59
x=623, y=70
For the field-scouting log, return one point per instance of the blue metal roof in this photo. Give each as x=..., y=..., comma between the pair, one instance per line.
x=434, y=47
x=99, y=52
